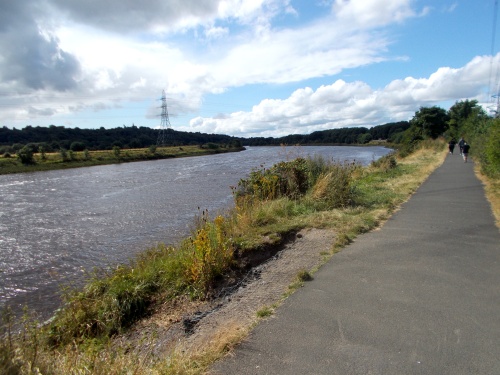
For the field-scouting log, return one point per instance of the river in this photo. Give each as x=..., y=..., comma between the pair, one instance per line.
x=56, y=226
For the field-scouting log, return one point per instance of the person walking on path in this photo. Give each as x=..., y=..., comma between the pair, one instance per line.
x=461, y=145
x=465, y=151
x=451, y=146
x=420, y=296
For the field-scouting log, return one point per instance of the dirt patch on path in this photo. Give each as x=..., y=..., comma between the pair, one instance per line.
x=189, y=326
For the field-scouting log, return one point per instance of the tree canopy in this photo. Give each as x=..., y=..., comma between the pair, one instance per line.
x=430, y=121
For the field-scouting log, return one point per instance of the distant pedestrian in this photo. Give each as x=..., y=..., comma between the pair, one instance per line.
x=465, y=151
x=461, y=145
x=451, y=146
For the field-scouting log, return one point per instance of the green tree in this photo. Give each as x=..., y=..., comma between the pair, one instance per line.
x=117, y=151
x=42, y=151
x=459, y=113
x=25, y=155
x=364, y=138
x=64, y=154
x=152, y=149
x=492, y=150
x=430, y=121
x=77, y=146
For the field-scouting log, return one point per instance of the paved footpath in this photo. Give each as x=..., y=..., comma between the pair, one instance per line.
x=419, y=296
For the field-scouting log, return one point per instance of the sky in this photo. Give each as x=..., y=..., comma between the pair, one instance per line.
x=246, y=68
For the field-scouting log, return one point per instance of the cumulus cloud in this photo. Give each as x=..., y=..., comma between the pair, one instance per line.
x=93, y=55
x=107, y=51
x=345, y=104
x=30, y=57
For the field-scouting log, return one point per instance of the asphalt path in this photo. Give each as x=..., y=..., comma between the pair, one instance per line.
x=421, y=295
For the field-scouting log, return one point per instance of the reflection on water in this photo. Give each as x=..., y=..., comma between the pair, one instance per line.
x=55, y=226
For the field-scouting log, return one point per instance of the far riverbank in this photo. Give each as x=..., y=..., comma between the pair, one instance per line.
x=69, y=159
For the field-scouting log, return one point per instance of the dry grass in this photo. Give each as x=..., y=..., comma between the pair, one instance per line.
x=188, y=359
x=492, y=189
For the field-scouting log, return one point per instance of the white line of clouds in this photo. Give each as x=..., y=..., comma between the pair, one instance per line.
x=345, y=104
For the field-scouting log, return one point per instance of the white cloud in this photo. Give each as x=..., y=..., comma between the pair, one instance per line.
x=98, y=54
x=372, y=13
x=96, y=64
x=344, y=104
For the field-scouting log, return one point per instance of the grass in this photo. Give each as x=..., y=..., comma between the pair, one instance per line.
x=55, y=160
x=265, y=312
x=271, y=203
x=492, y=188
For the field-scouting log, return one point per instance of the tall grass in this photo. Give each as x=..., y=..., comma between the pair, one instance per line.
x=112, y=301
x=272, y=202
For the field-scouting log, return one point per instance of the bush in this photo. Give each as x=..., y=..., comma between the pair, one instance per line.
x=386, y=163
x=117, y=151
x=210, y=146
x=86, y=154
x=25, y=155
x=285, y=179
x=152, y=149
x=334, y=188
x=64, y=154
x=491, y=162
x=77, y=146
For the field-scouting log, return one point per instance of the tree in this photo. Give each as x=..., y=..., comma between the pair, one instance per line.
x=364, y=138
x=26, y=155
x=64, y=154
x=116, y=151
x=431, y=121
x=460, y=112
x=77, y=146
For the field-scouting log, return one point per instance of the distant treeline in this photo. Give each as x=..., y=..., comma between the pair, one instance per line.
x=54, y=138
x=343, y=136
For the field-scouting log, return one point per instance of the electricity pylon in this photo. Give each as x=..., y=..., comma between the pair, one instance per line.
x=165, y=121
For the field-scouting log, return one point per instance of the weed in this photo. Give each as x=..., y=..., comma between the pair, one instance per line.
x=304, y=275
x=265, y=312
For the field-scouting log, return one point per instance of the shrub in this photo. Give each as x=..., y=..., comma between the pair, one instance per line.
x=304, y=275
x=210, y=146
x=77, y=146
x=64, y=154
x=152, y=149
x=25, y=155
x=209, y=254
x=386, y=163
x=334, y=188
x=285, y=179
x=117, y=151
x=491, y=162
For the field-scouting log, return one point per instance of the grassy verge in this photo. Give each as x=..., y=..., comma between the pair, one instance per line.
x=70, y=159
x=271, y=203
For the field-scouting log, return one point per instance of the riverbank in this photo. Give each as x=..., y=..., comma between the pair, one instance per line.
x=259, y=229
x=78, y=159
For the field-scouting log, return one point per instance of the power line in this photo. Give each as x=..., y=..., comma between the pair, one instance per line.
x=496, y=95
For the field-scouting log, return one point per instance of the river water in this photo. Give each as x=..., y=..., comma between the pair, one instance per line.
x=57, y=225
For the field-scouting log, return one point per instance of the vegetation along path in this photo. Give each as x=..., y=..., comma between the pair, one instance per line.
x=419, y=296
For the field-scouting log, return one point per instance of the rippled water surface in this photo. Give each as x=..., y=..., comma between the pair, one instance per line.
x=56, y=225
